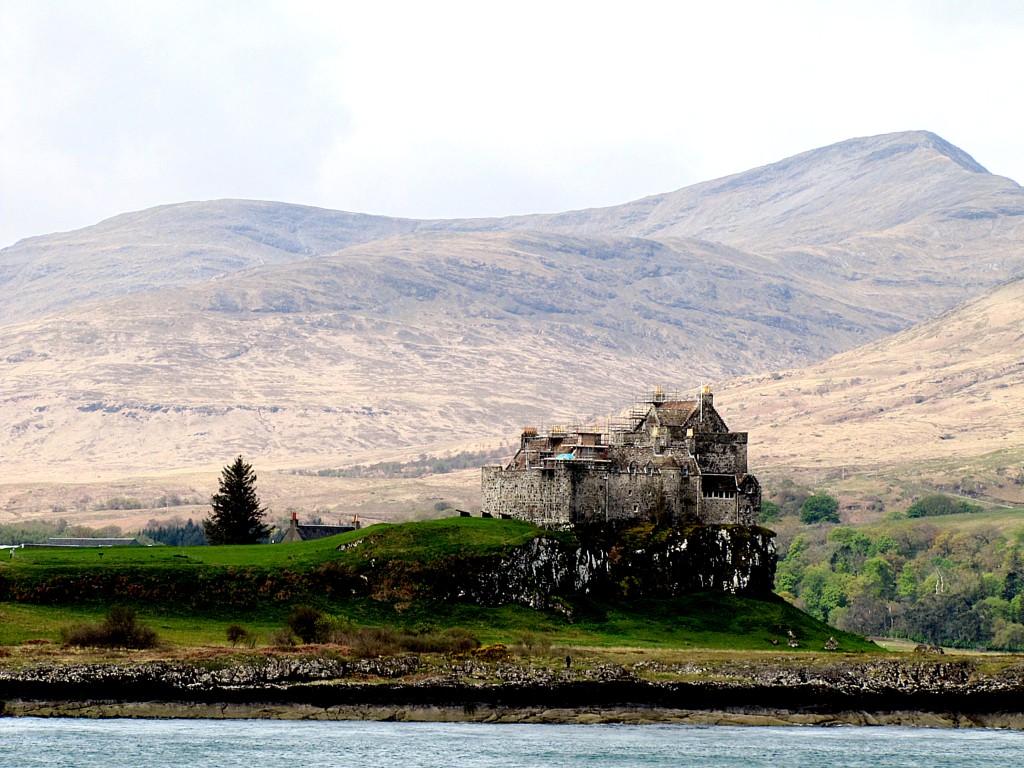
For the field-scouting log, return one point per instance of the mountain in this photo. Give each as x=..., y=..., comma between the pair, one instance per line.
x=416, y=342
x=173, y=339
x=904, y=214
x=816, y=198
x=172, y=246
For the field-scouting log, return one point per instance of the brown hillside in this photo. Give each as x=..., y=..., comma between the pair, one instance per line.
x=943, y=400
x=168, y=341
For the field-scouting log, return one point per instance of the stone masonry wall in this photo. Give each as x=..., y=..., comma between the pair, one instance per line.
x=620, y=496
x=569, y=495
x=722, y=453
x=719, y=511
x=540, y=495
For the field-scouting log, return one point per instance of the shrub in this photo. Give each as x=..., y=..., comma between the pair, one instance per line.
x=937, y=505
x=789, y=496
x=1010, y=637
x=493, y=652
x=447, y=641
x=119, y=629
x=820, y=508
x=236, y=634
x=283, y=638
x=370, y=642
x=530, y=643
x=770, y=512
x=309, y=624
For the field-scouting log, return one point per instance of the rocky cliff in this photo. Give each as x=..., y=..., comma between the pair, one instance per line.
x=639, y=562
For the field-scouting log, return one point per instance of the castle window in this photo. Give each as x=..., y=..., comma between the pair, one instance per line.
x=719, y=494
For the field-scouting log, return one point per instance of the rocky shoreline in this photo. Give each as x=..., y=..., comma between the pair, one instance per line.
x=490, y=714
x=735, y=691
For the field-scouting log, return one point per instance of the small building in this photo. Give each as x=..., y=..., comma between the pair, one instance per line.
x=672, y=461
x=297, y=532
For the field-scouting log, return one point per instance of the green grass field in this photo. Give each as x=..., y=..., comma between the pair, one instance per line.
x=191, y=595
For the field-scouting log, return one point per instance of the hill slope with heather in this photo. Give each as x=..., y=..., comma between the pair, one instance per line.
x=170, y=340
x=938, y=403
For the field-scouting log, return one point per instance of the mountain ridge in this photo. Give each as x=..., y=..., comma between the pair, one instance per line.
x=175, y=337
x=280, y=232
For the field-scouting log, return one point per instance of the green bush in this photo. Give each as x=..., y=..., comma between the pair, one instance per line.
x=770, y=512
x=283, y=638
x=370, y=642
x=309, y=624
x=820, y=508
x=453, y=640
x=937, y=505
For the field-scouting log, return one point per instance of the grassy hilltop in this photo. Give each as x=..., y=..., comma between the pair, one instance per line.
x=382, y=576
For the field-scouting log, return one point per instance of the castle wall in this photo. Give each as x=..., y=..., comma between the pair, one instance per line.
x=542, y=496
x=748, y=510
x=722, y=453
x=627, y=496
x=563, y=496
x=718, y=511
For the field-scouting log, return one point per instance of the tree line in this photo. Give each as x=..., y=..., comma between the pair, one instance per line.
x=911, y=579
x=420, y=467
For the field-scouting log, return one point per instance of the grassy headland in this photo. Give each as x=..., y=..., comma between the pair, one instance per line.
x=382, y=576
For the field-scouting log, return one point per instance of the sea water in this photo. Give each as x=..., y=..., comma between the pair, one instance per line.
x=75, y=743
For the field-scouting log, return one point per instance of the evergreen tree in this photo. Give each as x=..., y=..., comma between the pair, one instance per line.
x=237, y=516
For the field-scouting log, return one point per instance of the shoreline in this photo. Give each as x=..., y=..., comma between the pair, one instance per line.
x=705, y=690
x=488, y=714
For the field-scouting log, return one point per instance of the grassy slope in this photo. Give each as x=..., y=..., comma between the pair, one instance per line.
x=704, y=620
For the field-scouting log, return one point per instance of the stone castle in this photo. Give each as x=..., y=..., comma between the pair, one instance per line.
x=673, y=462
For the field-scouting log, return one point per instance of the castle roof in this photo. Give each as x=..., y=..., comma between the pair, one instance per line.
x=674, y=413
x=299, y=532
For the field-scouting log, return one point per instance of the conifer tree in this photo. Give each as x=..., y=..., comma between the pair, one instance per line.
x=237, y=516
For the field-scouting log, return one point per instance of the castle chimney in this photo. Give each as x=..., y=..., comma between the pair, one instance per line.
x=707, y=400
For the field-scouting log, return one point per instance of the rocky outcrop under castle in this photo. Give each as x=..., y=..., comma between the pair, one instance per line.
x=540, y=574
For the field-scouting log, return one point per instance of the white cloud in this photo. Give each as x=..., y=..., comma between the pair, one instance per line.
x=465, y=109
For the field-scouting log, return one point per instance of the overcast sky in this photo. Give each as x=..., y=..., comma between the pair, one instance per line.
x=445, y=109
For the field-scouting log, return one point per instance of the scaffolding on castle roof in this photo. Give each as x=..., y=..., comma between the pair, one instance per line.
x=615, y=430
